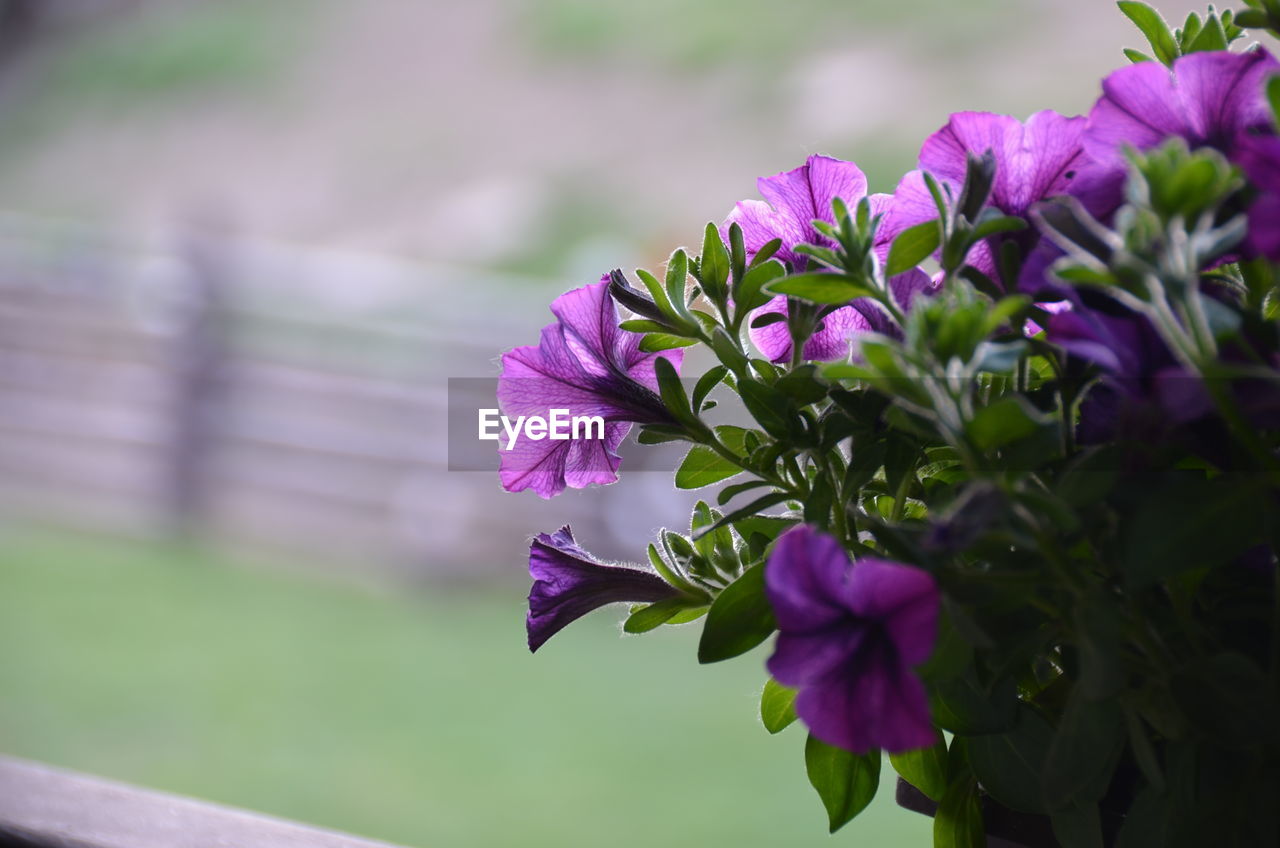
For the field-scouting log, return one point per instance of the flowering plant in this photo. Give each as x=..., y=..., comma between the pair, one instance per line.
x=1004, y=482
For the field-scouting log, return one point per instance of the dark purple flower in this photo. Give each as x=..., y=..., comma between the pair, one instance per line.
x=849, y=636
x=588, y=366
x=1260, y=158
x=1035, y=160
x=796, y=198
x=1144, y=391
x=568, y=583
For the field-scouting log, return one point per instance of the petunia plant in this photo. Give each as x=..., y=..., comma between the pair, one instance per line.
x=993, y=461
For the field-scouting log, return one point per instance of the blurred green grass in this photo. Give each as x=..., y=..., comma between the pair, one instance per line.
x=416, y=717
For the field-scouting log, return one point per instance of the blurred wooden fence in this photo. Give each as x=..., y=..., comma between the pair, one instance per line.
x=257, y=394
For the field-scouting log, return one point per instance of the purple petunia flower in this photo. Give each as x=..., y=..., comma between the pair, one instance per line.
x=1213, y=99
x=1039, y=159
x=1260, y=158
x=796, y=198
x=568, y=583
x=849, y=636
x=588, y=366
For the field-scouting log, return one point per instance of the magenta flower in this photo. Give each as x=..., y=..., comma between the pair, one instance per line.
x=1212, y=99
x=586, y=365
x=799, y=197
x=568, y=583
x=1035, y=160
x=849, y=636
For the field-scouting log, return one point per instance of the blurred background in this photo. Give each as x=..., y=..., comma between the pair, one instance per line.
x=243, y=247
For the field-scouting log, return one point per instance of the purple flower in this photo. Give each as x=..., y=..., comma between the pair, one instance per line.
x=568, y=583
x=848, y=639
x=1144, y=391
x=1212, y=99
x=1035, y=160
x=588, y=366
x=1260, y=158
x=799, y=197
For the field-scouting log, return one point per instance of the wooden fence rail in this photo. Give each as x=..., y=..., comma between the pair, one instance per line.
x=46, y=807
x=266, y=396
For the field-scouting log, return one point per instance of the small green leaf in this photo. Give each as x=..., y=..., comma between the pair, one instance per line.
x=1273, y=97
x=677, y=272
x=656, y=342
x=958, y=821
x=820, y=288
x=713, y=270
x=1007, y=420
x=777, y=706
x=739, y=619
x=924, y=768
x=912, y=246
x=1148, y=20
x=656, y=614
x=1190, y=523
x=1136, y=56
x=846, y=782
x=758, y=505
x=705, y=384
x=1083, y=753
x=1211, y=37
x=673, y=397
x=1078, y=826
x=1010, y=765
x=750, y=294
x=702, y=466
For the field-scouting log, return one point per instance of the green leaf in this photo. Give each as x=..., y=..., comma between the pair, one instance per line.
x=924, y=768
x=1079, y=826
x=739, y=619
x=777, y=706
x=1136, y=56
x=912, y=246
x=702, y=466
x=1211, y=37
x=758, y=505
x=673, y=397
x=705, y=384
x=1083, y=753
x=641, y=325
x=1190, y=523
x=1228, y=698
x=655, y=342
x=998, y=224
x=960, y=704
x=846, y=782
x=728, y=493
x=750, y=293
x=713, y=269
x=1148, y=20
x=1273, y=97
x=656, y=614
x=769, y=407
x=822, y=288
x=1007, y=420
x=958, y=821
x=677, y=272
x=1010, y=765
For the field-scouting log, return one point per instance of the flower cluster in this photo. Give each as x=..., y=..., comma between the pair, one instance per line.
x=1012, y=462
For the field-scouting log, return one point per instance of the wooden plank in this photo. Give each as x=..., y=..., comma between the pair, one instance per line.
x=54, y=808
